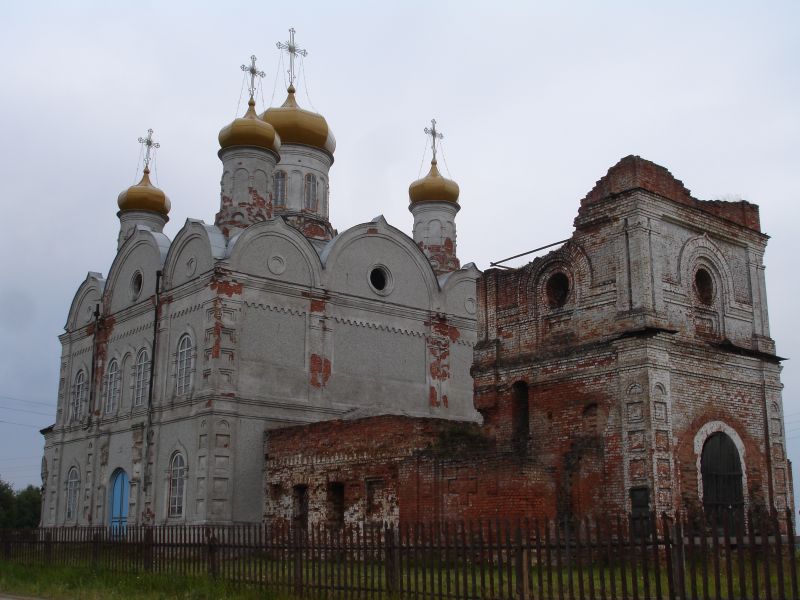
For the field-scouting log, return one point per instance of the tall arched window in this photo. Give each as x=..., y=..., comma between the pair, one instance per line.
x=177, y=479
x=721, y=470
x=279, y=188
x=184, y=374
x=520, y=417
x=112, y=386
x=141, y=377
x=79, y=394
x=73, y=487
x=310, y=192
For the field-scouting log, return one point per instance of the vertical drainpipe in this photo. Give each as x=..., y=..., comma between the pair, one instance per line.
x=153, y=352
x=92, y=368
x=92, y=396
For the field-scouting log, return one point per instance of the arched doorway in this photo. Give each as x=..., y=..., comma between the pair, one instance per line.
x=721, y=470
x=120, y=491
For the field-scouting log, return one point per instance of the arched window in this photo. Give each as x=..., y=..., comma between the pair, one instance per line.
x=704, y=286
x=73, y=487
x=177, y=479
x=520, y=417
x=112, y=386
x=79, y=394
x=184, y=374
x=721, y=469
x=310, y=192
x=141, y=377
x=590, y=425
x=279, y=188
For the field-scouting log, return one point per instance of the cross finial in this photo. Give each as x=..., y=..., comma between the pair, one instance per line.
x=435, y=135
x=149, y=145
x=292, y=50
x=253, y=74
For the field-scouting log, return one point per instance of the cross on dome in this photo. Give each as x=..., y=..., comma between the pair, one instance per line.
x=435, y=135
x=251, y=69
x=149, y=145
x=292, y=50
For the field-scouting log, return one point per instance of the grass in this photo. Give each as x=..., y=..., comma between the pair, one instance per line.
x=77, y=583
x=83, y=583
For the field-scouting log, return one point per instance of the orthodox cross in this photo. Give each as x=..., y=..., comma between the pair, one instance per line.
x=149, y=144
x=292, y=50
x=253, y=74
x=435, y=135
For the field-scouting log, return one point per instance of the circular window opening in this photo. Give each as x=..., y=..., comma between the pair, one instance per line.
x=136, y=284
x=704, y=286
x=557, y=289
x=379, y=278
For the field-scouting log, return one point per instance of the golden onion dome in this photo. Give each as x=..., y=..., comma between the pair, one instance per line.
x=249, y=130
x=296, y=125
x=433, y=188
x=144, y=196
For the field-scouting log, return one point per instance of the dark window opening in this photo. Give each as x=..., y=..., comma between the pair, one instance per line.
x=136, y=284
x=374, y=493
x=557, y=289
x=640, y=510
x=378, y=279
x=520, y=417
x=590, y=424
x=721, y=469
x=336, y=504
x=300, y=506
x=704, y=286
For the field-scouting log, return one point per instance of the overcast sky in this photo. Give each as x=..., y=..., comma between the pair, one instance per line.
x=536, y=101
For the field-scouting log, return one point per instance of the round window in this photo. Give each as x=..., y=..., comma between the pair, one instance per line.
x=380, y=280
x=557, y=289
x=136, y=284
x=704, y=286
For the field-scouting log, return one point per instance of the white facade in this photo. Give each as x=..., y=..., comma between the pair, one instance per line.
x=256, y=326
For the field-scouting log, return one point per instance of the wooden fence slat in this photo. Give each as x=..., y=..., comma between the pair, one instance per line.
x=623, y=580
x=656, y=555
x=726, y=538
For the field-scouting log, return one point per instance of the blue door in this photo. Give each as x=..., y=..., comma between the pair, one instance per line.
x=120, y=490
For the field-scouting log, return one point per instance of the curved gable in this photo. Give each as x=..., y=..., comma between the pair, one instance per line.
x=459, y=291
x=192, y=252
x=350, y=257
x=275, y=250
x=144, y=252
x=89, y=295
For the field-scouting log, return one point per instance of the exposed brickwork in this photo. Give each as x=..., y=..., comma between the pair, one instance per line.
x=634, y=172
x=625, y=368
x=443, y=256
x=349, y=452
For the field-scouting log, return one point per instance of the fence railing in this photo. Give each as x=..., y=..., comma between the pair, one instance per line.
x=721, y=555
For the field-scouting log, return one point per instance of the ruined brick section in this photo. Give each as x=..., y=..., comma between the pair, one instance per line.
x=364, y=455
x=233, y=218
x=601, y=371
x=442, y=256
x=441, y=336
x=634, y=172
x=311, y=226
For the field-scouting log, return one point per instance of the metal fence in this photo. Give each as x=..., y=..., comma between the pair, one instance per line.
x=723, y=555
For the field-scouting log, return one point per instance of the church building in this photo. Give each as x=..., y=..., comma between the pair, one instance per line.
x=176, y=363
x=269, y=368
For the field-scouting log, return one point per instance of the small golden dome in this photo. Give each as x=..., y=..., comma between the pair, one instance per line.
x=299, y=126
x=144, y=196
x=249, y=130
x=433, y=188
